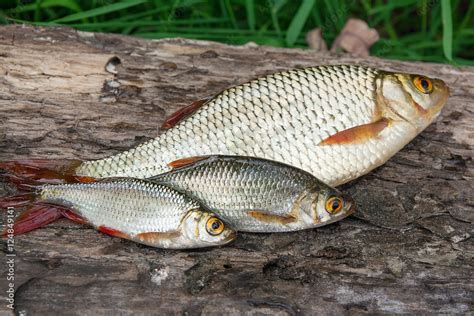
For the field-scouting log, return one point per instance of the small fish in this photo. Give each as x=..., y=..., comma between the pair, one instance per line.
x=258, y=195
x=134, y=209
x=337, y=122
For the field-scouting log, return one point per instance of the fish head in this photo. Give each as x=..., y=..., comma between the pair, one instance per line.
x=201, y=228
x=326, y=205
x=415, y=99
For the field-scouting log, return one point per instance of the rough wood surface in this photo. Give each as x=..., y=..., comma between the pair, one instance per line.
x=69, y=94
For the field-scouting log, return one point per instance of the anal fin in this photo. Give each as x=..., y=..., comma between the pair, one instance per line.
x=270, y=218
x=74, y=217
x=357, y=134
x=113, y=232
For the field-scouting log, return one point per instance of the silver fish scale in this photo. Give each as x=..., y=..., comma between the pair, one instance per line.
x=231, y=187
x=129, y=205
x=282, y=117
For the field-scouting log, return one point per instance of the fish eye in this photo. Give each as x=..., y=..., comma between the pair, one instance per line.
x=334, y=204
x=423, y=84
x=214, y=226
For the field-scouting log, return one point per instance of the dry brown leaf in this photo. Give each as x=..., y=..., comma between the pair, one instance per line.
x=315, y=40
x=356, y=38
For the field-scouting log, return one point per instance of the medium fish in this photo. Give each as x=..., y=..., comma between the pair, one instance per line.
x=337, y=122
x=138, y=210
x=258, y=195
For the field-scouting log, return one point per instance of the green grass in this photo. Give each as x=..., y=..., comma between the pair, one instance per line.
x=425, y=30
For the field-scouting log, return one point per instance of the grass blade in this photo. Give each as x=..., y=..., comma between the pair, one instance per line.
x=298, y=21
x=99, y=11
x=446, y=16
x=250, y=8
x=230, y=13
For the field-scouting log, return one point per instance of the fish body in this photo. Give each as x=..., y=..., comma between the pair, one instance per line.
x=139, y=210
x=336, y=122
x=258, y=195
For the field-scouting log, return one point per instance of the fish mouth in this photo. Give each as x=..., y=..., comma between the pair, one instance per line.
x=424, y=115
x=230, y=238
x=351, y=210
x=435, y=110
x=352, y=207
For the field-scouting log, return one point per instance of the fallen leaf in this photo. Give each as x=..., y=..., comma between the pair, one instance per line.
x=315, y=40
x=356, y=38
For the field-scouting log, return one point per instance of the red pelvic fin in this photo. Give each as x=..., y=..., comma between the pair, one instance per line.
x=357, y=134
x=17, y=200
x=38, y=215
x=183, y=113
x=112, y=232
x=45, y=171
x=186, y=161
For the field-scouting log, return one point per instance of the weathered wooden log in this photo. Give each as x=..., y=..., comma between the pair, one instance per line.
x=70, y=94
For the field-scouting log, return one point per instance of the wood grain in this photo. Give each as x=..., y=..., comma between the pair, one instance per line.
x=69, y=94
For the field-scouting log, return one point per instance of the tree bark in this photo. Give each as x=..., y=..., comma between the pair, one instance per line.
x=71, y=94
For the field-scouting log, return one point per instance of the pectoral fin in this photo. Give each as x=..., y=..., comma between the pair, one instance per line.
x=357, y=134
x=154, y=237
x=270, y=218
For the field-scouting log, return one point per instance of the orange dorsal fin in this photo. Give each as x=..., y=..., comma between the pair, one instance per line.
x=183, y=113
x=357, y=134
x=112, y=232
x=186, y=161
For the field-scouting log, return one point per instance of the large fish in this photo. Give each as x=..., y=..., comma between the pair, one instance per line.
x=134, y=209
x=336, y=122
x=258, y=195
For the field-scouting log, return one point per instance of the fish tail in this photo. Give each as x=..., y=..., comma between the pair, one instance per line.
x=37, y=215
x=45, y=171
x=18, y=200
x=21, y=183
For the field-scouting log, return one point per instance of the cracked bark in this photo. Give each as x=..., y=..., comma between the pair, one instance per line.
x=69, y=94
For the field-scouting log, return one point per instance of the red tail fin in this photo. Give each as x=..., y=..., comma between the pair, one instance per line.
x=38, y=215
x=16, y=200
x=46, y=171
x=21, y=183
